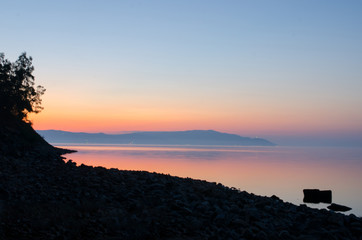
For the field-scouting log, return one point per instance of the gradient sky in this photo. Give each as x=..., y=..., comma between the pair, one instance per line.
x=277, y=69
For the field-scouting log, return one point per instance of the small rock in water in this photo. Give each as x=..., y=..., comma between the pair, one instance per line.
x=338, y=208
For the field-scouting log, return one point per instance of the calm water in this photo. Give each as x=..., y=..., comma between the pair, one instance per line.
x=266, y=171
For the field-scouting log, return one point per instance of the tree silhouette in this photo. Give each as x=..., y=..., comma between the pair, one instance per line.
x=18, y=96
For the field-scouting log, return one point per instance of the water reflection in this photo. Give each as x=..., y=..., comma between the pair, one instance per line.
x=280, y=171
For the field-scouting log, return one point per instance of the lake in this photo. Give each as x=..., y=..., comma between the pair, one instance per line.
x=266, y=171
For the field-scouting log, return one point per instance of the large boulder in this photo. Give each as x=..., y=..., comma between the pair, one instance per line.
x=317, y=196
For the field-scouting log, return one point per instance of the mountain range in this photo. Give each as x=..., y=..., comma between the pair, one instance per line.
x=192, y=137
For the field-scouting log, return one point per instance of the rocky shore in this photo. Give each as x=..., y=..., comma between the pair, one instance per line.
x=45, y=196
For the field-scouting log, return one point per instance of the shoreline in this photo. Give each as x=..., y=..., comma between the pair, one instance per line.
x=241, y=168
x=42, y=196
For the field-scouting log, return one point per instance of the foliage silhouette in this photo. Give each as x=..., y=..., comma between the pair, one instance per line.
x=18, y=96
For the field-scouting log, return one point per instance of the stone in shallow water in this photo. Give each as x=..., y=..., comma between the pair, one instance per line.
x=338, y=208
x=317, y=196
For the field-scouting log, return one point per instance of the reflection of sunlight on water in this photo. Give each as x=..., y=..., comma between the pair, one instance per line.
x=281, y=171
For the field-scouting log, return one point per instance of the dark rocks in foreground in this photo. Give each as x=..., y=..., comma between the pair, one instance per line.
x=43, y=197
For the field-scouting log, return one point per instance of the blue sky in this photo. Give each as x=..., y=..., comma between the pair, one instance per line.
x=266, y=68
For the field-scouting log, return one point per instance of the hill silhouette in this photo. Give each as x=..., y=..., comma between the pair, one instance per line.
x=193, y=137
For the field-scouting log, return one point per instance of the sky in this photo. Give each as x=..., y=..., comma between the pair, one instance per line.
x=289, y=71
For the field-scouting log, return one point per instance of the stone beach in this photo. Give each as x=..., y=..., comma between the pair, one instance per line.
x=45, y=196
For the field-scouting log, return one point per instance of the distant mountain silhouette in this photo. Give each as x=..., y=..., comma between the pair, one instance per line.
x=193, y=137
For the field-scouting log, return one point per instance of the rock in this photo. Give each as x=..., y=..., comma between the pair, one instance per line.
x=338, y=208
x=220, y=218
x=261, y=236
x=317, y=196
x=336, y=219
x=275, y=198
x=284, y=234
x=4, y=195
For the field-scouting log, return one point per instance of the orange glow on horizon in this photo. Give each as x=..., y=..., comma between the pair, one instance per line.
x=252, y=124
x=93, y=115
